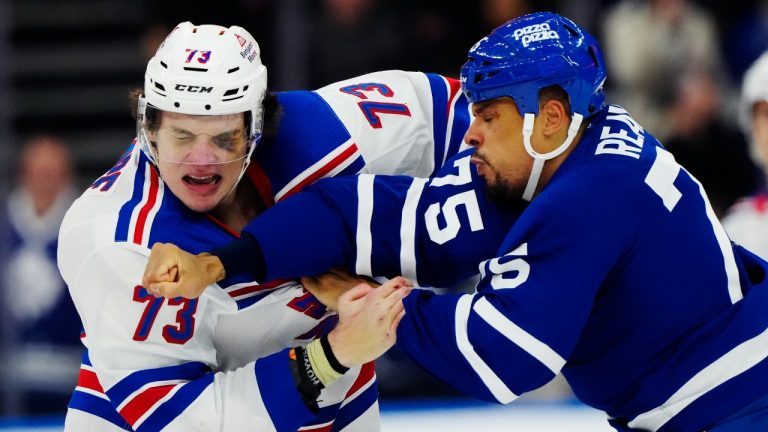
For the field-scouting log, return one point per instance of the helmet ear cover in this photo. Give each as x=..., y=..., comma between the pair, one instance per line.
x=527, y=54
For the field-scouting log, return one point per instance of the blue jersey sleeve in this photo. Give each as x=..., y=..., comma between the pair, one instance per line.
x=528, y=310
x=385, y=226
x=619, y=275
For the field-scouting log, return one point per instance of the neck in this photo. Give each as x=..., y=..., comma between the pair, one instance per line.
x=237, y=211
x=551, y=166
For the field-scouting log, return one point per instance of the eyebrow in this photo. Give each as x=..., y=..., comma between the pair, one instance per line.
x=480, y=107
x=222, y=134
x=177, y=130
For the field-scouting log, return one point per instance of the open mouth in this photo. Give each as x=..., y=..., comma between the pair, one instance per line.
x=206, y=180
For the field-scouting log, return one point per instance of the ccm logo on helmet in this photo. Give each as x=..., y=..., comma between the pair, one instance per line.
x=193, y=88
x=536, y=32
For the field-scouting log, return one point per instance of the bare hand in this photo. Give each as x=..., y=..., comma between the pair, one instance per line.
x=368, y=320
x=329, y=286
x=172, y=272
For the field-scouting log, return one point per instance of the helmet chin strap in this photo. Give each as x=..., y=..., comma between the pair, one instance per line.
x=538, y=158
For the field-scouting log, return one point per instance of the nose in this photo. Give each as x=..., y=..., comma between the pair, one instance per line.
x=472, y=137
x=202, y=152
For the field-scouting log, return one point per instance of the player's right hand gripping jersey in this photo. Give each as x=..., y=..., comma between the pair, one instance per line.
x=151, y=363
x=390, y=122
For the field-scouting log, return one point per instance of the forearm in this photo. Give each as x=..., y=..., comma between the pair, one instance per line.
x=284, y=242
x=242, y=256
x=446, y=335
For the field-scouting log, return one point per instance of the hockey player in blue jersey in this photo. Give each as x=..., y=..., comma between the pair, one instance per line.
x=153, y=364
x=616, y=273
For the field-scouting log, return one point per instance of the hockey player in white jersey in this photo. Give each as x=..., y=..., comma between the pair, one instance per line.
x=747, y=221
x=615, y=271
x=151, y=364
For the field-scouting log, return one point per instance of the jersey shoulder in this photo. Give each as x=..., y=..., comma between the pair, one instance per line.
x=615, y=156
x=97, y=206
x=747, y=217
x=755, y=205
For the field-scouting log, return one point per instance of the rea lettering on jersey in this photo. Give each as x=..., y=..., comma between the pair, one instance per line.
x=622, y=136
x=536, y=32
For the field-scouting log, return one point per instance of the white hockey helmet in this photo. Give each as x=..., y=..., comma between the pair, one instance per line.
x=754, y=89
x=206, y=70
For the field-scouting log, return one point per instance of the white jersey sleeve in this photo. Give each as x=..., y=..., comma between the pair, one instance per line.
x=747, y=224
x=402, y=122
x=389, y=122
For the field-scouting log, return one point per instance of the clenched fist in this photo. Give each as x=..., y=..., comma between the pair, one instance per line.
x=172, y=272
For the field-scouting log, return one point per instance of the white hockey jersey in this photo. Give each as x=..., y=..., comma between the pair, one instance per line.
x=154, y=359
x=155, y=364
x=391, y=122
x=747, y=224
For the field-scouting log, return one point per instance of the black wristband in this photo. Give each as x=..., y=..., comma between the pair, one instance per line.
x=332, y=360
x=307, y=383
x=243, y=255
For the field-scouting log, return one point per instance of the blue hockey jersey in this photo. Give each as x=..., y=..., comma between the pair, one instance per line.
x=618, y=274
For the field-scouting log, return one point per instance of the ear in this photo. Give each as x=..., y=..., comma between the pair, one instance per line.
x=555, y=117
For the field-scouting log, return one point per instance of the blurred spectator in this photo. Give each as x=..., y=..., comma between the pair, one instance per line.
x=649, y=47
x=353, y=37
x=496, y=12
x=706, y=145
x=256, y=16
x=747, y=221
x=46, y=352
x=438, y=34
x=745, y=35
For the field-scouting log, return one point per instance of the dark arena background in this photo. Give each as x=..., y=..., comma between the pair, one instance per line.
x=68, y=65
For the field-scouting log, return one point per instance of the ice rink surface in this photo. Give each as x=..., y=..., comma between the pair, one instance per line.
x=438, y=416
x=463, y=416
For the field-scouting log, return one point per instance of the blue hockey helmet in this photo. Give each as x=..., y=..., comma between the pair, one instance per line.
x=531, y=52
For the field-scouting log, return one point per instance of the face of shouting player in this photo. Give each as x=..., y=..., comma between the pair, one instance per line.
x=200, y=157
x=501, y=158
x=496, y=134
